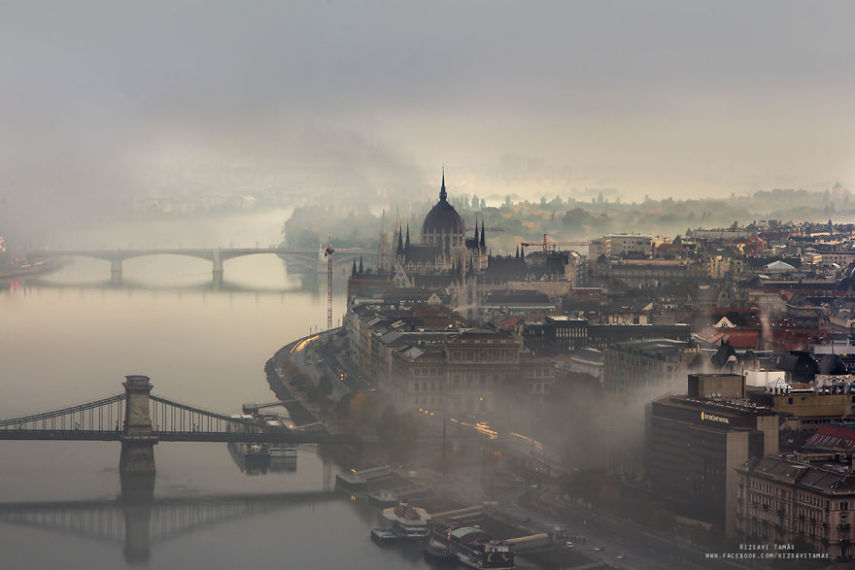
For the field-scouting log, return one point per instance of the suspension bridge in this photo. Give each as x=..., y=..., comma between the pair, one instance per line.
x=139, y=420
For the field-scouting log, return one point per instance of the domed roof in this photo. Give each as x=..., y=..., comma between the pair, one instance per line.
x=443, y=218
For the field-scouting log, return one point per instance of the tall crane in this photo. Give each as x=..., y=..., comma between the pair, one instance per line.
x=547, y=242
x=328, y=253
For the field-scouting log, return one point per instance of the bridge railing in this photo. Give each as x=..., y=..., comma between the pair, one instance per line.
x=169, y=416
x=106, y=414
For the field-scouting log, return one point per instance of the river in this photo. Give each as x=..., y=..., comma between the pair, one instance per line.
x=70, y=338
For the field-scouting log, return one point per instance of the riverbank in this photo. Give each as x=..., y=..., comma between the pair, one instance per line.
x=302, y=413
x=475, y=471
x=451, y=488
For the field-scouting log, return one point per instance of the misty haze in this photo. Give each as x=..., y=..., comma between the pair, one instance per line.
x=539, y=285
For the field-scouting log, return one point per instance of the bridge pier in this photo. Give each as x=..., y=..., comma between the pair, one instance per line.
x=138, y=443
x=116, y=271
x=218, y=269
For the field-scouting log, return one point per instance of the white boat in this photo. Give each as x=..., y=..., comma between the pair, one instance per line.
x=383, y=498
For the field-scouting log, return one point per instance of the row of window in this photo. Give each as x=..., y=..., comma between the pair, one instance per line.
x=488, y=355
x=802, y=497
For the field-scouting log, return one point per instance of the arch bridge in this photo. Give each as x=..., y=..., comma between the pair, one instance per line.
x=217, y=256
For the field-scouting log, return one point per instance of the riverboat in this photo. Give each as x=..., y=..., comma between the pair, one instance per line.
x=410, y=523
x=283, y=451
x=382, y=499
x=384, y=536
x=252, y=458
x=440, y=553
x=474, y=547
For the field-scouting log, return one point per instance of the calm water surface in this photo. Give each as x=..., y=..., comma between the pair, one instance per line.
x=71, y=338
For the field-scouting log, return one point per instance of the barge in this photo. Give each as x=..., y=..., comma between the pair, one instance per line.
x=473, y=546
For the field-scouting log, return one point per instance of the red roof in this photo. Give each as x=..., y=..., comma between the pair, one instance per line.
x=741, y=339
x=831, y=437
x=510, y=324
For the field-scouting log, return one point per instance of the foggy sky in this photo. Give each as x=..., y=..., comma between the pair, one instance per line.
x=104, y=100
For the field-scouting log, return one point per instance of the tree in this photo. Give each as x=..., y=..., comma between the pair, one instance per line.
x=364, y=411
x=386, y=426
x=325, y=384
x=342, y=407
x=396, y=432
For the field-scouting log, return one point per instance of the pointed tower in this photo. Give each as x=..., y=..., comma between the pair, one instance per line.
x=476, y=232
x=443, y=195
x=384, y=263
x=483, y=241
x=400, y=241
x=361, y=267
x=407, y=243
x=353, y=271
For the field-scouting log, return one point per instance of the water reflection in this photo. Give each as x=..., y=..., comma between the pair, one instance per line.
x=137, y=520
x=130, y=285
x=71, y=332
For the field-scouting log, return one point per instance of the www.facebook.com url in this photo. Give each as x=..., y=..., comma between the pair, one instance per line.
x=766, y=555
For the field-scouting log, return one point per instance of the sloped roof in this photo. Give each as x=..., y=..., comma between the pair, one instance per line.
x=780, y=266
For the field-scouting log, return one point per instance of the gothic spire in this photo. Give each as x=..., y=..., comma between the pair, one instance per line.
x=361, y=267
x=442, y=193
x=400, y=241
x=476, y=232
x=407, y=243
x=483, y=242
x=353, y=271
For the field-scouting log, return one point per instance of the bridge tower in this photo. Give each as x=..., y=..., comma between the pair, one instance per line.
x=137, y=440
x=116, y=270
x=218, y=268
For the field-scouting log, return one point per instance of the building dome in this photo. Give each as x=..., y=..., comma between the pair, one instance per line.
x=443, y=218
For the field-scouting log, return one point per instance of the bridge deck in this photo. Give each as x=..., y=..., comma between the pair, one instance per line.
x=186, y=436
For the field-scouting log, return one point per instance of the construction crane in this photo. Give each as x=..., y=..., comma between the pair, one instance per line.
x=547, y=242
x=328, y=252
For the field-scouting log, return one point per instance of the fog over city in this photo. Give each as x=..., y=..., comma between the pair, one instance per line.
x=506, y=284
x=104, y=101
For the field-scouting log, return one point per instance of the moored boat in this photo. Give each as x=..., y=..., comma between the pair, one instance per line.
x=252, y=458
x=439, y=553
x=384, y=536
x=411, y=523
x=474, y=547
x=382, y=499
